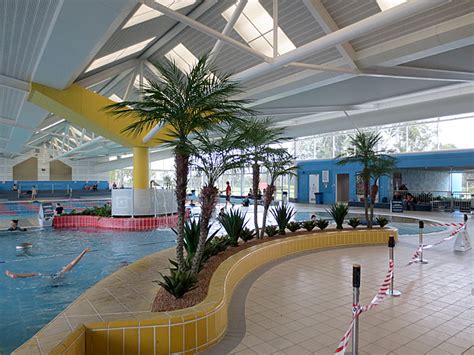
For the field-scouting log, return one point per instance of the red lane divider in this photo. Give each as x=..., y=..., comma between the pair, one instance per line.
x=378, y=299
x=447, y=224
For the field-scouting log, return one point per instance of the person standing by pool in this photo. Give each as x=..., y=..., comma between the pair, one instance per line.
x=65, y=269
x=34, y=192
x=59, y=209
x=228, y=192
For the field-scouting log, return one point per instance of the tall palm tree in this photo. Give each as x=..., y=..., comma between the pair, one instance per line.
x=382, y=165
x=277, y=163
x=364, y=152
x=258, y=136
x=187, y=103
x=213, y=154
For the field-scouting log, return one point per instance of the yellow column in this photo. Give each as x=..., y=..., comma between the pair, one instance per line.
x=140, y=168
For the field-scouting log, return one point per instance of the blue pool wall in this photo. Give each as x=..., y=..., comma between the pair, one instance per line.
x=457, y=160
x=49, y=185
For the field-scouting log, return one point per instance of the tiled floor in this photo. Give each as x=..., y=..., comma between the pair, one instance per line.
x=302, y=305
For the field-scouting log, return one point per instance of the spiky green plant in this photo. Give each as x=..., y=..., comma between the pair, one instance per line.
x=322, y=224
x=247, y=234
x=234, y=223
x=382, y=221
x=271, y=230
x=178, y=283
x=186, y=103
x=338, y=212
x=354, y=222
x=294, y=226
x=282, y=213
x=309, y=225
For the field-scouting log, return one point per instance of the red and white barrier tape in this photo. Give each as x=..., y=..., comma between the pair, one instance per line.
x=447, y=224
x=420, y=248
x=378, y=299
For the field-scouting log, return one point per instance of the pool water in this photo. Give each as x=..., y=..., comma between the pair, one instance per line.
x=405, y=226
x=26, y=305
x=17, y=210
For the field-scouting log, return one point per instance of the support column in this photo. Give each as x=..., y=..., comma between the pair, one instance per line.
x=140, y=168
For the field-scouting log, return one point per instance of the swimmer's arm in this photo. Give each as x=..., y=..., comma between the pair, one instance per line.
x=73, y=263
x=14, y=275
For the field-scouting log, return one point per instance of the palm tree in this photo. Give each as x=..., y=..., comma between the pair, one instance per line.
x=213, y=157
x=277, y=163
x=258, y=136
x=363, y=151
x=382, y=165
x=187, y=103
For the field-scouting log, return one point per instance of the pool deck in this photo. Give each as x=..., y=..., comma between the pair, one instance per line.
x=436, y=304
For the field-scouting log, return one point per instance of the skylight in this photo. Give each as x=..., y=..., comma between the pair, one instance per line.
x=115, y=98
x=112, y=57
x=145, y=13
x=136, y=82
x=255, y=26
x=388, y=4
x=182, y=57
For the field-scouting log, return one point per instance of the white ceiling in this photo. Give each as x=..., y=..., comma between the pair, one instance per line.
x=53, y=42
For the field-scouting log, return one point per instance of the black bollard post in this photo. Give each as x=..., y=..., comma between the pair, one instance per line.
x=355, y=307
x=391, y=247
x=421, y=225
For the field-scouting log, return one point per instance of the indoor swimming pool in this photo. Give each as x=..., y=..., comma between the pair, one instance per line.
x=26, y=305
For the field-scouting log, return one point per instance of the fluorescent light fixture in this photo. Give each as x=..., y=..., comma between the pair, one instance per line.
x=145, y=13
x=112, y=57
x=182, y=57
x=255, y=26
x=51, y=125
x=388, y=4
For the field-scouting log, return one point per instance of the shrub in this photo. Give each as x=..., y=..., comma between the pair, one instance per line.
x=309, y=225
x=354, y=222
x=233, y=223
x=271, y=230
x=322, y=224
x=178, y=283
x=294, y=226
x=216, y=246
x=104, y=211
x=381, y=221
x=247, y=234
x=338, y=212
x=282, y=214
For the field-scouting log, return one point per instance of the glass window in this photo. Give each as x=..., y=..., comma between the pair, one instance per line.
x=182, y=57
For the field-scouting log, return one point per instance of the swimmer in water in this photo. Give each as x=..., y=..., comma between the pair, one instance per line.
x=14, y=226
x=65, y=269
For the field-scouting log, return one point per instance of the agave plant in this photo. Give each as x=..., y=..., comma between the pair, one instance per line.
x=247, y=234
x=322, y=224
x=283, y=214
x=354, y=222
x=234, y=223
x=294, y=226
x=178, y=283
x=192, y=232
x=309, y=225
x=271, y=230
x=338, y=212
x=382, y=221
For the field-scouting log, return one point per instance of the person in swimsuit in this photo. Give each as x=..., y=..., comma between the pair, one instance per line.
x=14, y=226
x=65, y=269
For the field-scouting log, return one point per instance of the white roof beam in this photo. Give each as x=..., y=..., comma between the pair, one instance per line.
x=13, y=83
x=205, y=29
x=228, y=27
x=312, y=109
x=108, y=73
x=369, y=24
x=419, y=73
x=12, y=123
x=195, y=14
x=327, y=23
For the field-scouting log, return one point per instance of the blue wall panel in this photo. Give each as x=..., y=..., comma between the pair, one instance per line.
x=456, y=160
x=50, y=185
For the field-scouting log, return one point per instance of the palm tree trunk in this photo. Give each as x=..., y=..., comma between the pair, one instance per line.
x=208, y=204
x=255, y=181
x=268, y=198
x=182, y=168
x=366, y=202
x=373, y=194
